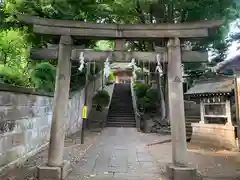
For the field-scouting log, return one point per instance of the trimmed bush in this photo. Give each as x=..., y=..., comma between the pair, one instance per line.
x=146, y=105
x=152, y=94
x=101, y=98
x=141, y=90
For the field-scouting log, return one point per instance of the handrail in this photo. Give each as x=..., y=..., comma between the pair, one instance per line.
x=136, y=111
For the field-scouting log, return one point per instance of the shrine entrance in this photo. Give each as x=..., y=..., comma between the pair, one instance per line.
x=173, y=55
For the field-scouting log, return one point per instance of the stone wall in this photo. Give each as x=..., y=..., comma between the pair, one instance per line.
x=25, y=119
x=217, y=136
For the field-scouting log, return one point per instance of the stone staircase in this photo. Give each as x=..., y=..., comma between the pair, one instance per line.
x=121, y=113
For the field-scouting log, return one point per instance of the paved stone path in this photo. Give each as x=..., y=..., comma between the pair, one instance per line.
x=120, y=153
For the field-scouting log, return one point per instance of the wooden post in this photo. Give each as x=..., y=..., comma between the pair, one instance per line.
x=228, y=112
x=237, y=102
x=84, y=120
x=149, y=73
x=202, y=111
x=176, y=103
x=94, y=74
x=60, y=106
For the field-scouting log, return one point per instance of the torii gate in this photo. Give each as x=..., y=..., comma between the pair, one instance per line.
x=65, y=52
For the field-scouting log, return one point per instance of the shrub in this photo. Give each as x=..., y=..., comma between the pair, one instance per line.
x=152, y=94
x=141, y=90
x=43, y=76
x=9, y=76
x=101, y=99
x=146, y=105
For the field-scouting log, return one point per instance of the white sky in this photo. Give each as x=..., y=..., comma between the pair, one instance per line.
x=233, y=49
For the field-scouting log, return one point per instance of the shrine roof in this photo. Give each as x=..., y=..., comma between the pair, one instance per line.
x=217, y=86
x=125, y=66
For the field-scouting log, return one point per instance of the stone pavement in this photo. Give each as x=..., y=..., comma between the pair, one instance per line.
x=123, y=154
x=120, y=153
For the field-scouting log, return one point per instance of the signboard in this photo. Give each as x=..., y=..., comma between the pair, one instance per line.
x=84, y=112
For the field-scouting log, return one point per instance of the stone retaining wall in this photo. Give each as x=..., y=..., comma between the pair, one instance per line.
x=217, y=136
x=25, y=119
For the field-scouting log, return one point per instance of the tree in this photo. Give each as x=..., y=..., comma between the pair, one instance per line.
x=137, y=11
x=14, y=48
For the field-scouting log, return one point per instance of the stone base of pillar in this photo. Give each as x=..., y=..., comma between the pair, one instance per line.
x=181, y=173
x=54, y=173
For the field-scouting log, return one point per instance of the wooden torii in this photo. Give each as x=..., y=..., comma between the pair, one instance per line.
x=93, y=55
x=66, y=52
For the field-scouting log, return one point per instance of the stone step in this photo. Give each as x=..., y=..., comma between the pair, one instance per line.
x=120, y=125
x=118, y=102
x=128, y=105
x=121, y=102
x=119, y=116
x=121, y=120
x=121, y=111
x=121, y=105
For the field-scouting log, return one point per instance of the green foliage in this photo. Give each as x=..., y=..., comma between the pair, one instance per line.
x=149, y=102
x=112, y=77
x=14, y=49
x=152, y=94
x=146, y=98
x=104, y=45
x=9, y=76
x=101, y=98
x=141, y=90
x=115, y=11
x=43, y=77
x=146, y=105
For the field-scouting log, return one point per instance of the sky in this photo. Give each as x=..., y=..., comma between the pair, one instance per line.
x=232, y=52
x=233, y=49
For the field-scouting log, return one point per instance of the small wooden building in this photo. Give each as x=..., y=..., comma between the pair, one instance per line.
x=216, y=126
x=124, y=72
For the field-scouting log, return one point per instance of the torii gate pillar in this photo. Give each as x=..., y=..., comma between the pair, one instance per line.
x=179, y=169
x=57, y=168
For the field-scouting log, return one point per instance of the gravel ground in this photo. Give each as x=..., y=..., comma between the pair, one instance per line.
x=73, y=152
